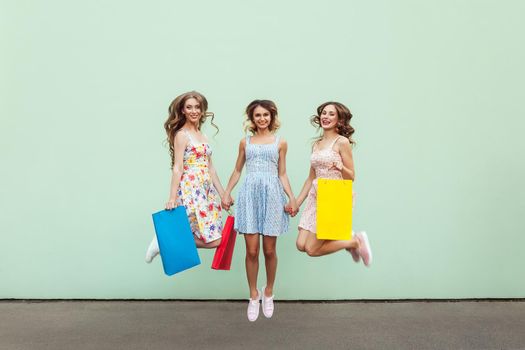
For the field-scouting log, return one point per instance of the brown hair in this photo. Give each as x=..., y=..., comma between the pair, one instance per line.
x=176, y=119
x=343, y=119
x=270, y=107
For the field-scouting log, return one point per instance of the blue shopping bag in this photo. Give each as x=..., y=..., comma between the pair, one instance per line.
x=176, y=243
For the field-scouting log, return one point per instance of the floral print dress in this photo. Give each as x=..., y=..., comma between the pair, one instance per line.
x=321, y=160
x=197, y=193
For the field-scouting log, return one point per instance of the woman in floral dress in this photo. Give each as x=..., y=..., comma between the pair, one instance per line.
x=331, y=159
x=194, y=182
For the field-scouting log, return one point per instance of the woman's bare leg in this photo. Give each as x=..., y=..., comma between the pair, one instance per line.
x=213, y=244
x=312, y=243
x=329, y=247
x=302, y=236
x=320, y=247
x=270, y=261
x=252, y=262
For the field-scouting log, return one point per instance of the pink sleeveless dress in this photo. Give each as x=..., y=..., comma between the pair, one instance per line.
x=321, y=161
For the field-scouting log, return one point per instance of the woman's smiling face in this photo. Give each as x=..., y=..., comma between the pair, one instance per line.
x=192, y=110
x=328, y=117
x=261, y=118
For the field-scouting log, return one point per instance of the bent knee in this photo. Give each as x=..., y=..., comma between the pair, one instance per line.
x=300, y=246
x=310, y=251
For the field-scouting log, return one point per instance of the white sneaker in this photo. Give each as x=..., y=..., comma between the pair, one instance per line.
x=253, y=308
x=364, y=248
x=267, y=304
x=153, y=250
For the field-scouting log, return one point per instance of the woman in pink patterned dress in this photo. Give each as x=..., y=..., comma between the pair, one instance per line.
x=194, y=183
x=331, y=159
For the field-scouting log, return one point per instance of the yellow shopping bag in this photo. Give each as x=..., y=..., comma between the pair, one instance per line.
x=334, y=209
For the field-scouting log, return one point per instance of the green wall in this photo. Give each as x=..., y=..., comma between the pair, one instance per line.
x=436, y=88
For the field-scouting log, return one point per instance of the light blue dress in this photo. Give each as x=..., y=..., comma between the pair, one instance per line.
x=261, y=198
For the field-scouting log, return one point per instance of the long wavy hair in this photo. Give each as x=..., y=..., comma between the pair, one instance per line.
x=344, y=116
x=176, y=119
x=270, y=107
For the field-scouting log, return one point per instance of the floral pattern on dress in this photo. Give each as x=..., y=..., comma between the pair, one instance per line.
x=321, y=161
x=198, y=195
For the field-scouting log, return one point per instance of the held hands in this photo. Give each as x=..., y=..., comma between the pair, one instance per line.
x=291, y=208
x=171, y=203
x=227, y=201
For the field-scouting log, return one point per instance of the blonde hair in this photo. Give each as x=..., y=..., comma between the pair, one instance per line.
x=270, y=107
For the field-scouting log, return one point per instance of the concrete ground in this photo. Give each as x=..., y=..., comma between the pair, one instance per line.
x=78, y=325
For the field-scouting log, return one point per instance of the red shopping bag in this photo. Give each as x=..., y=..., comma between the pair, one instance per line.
x=223, y=255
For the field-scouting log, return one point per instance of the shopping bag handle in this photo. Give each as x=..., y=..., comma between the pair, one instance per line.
x=345, y=182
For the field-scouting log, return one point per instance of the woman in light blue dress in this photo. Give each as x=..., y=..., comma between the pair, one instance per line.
x=262, y=207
